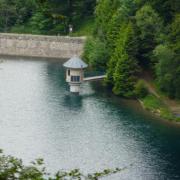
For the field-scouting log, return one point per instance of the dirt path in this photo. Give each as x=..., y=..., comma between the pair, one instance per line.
x=173, y=105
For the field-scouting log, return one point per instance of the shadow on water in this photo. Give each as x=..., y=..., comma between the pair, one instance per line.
x=73, y=101
x=56, y=73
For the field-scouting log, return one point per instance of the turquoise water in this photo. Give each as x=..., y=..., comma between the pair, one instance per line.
x=92, y=131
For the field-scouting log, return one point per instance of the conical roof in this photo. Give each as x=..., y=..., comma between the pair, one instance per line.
x=75, y=63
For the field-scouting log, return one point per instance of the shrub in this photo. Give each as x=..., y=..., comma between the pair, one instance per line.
x=140, y=90
x=12, y=168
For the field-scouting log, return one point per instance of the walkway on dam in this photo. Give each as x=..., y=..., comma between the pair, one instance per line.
x=94, y=78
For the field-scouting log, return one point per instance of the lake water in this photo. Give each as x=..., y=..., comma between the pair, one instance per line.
x=92, y=131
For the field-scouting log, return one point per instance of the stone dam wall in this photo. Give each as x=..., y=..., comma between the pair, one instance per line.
x=41, y=46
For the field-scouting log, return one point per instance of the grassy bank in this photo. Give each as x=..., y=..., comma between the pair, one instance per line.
x=157, y=106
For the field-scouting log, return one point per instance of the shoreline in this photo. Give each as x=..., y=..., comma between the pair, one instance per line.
x=158, y=115
x=137, y=105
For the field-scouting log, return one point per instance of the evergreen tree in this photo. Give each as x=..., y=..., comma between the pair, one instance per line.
x=121, y=15
x=125, y=64
x=104, y=12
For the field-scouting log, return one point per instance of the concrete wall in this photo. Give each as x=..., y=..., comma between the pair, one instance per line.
x=41, y=46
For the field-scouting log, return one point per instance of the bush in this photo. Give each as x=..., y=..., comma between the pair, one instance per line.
x=12, y=168
x=140, y=90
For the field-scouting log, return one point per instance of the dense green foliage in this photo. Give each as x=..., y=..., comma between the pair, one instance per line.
x=15, y=12
x=149, y=28
x=12, y=168
x=43, y=16
x=95, y=53
x=168, y=61
x=134, y=35
x=168, y=70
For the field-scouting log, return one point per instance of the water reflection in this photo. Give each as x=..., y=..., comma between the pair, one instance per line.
x=73, y=101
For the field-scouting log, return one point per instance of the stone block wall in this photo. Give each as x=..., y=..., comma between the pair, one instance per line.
x=41, y=46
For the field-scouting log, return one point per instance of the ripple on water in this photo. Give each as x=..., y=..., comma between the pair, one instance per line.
x=92, y=131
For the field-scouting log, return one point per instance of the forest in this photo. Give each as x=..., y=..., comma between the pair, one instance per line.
x=136, y=36
x=49, y=17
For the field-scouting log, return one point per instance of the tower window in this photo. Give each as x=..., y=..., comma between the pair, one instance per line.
x=75, y=78
x=68, y=72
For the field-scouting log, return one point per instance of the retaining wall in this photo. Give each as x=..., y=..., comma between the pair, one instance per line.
x=41, y=46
